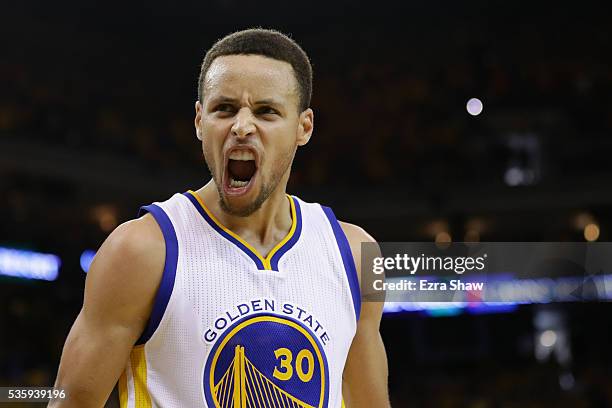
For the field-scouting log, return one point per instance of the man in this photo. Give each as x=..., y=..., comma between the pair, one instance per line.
x=236, y=294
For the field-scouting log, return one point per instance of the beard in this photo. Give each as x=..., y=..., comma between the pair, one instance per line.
x=267, y=186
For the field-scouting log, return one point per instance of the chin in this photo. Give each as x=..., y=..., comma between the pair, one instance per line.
x=239, y=209
x=245, y=204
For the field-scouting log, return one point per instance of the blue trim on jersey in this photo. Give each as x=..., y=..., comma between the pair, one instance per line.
x=167, y=281
x=347, y=259
x=296, y=235
x=220, y=230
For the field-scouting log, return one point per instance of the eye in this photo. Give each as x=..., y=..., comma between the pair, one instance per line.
x=224, y=107
x=265, y=110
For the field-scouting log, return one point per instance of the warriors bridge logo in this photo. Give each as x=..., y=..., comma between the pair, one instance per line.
x=267, y=360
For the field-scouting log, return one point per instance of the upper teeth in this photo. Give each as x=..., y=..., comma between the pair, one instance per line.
x=244, y=155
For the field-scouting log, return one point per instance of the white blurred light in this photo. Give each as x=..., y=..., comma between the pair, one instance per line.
x=86, y=257
x=548, y=338
x=28, y=264
x=514, y=176
x=474, y=106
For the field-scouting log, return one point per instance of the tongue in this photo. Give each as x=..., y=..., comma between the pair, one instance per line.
x=241, y=170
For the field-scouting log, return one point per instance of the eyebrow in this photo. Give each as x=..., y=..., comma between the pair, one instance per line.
x=227, y=99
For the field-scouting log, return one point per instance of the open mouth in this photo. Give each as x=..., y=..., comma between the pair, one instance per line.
x=240, y=171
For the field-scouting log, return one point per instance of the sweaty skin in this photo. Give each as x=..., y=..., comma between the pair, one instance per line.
x=251, y=103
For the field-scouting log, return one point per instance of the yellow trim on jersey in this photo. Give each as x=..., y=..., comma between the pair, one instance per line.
x=123, y=389
x=142, y=399
x=265, y=260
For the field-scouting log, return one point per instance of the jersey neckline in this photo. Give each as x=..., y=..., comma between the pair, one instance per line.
x=269, y=262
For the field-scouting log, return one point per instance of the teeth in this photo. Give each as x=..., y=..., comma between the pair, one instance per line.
x=237, y=183
x=244, y=155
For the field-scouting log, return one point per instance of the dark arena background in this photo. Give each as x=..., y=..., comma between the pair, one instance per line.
x=441, y=120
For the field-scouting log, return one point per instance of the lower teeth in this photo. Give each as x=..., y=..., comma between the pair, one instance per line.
x=237, y=183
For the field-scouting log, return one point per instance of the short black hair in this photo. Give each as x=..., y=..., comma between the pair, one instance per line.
x=268, y=43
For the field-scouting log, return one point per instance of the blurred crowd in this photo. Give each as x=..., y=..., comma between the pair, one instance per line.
x=390, y=106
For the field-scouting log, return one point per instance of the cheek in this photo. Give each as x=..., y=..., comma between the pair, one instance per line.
x=278, y=147
x=213, y=136
x=280, y=138
x=279, y=155
x=211, y=149
x=215, y=126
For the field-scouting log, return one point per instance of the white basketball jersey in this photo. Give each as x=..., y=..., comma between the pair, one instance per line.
x=232, y=328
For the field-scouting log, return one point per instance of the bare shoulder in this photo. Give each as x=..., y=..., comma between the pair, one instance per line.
x=138, y=238
x=133, y=246
x=355, y=233
x=371, y=312
x=355, y=236
x=119, y=294
x=125, y=274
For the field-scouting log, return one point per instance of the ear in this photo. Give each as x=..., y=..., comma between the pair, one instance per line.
x=306, y=126
x=198, y=119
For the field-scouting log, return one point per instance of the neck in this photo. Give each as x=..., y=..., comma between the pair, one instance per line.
x=265, y=227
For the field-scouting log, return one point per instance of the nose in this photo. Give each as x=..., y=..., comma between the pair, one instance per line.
x=243, y=125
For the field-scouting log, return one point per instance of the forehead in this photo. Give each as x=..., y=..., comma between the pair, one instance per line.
x=258, y=76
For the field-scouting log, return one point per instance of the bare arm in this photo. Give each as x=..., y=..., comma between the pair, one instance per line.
x=119, y=292
x=365, y=372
